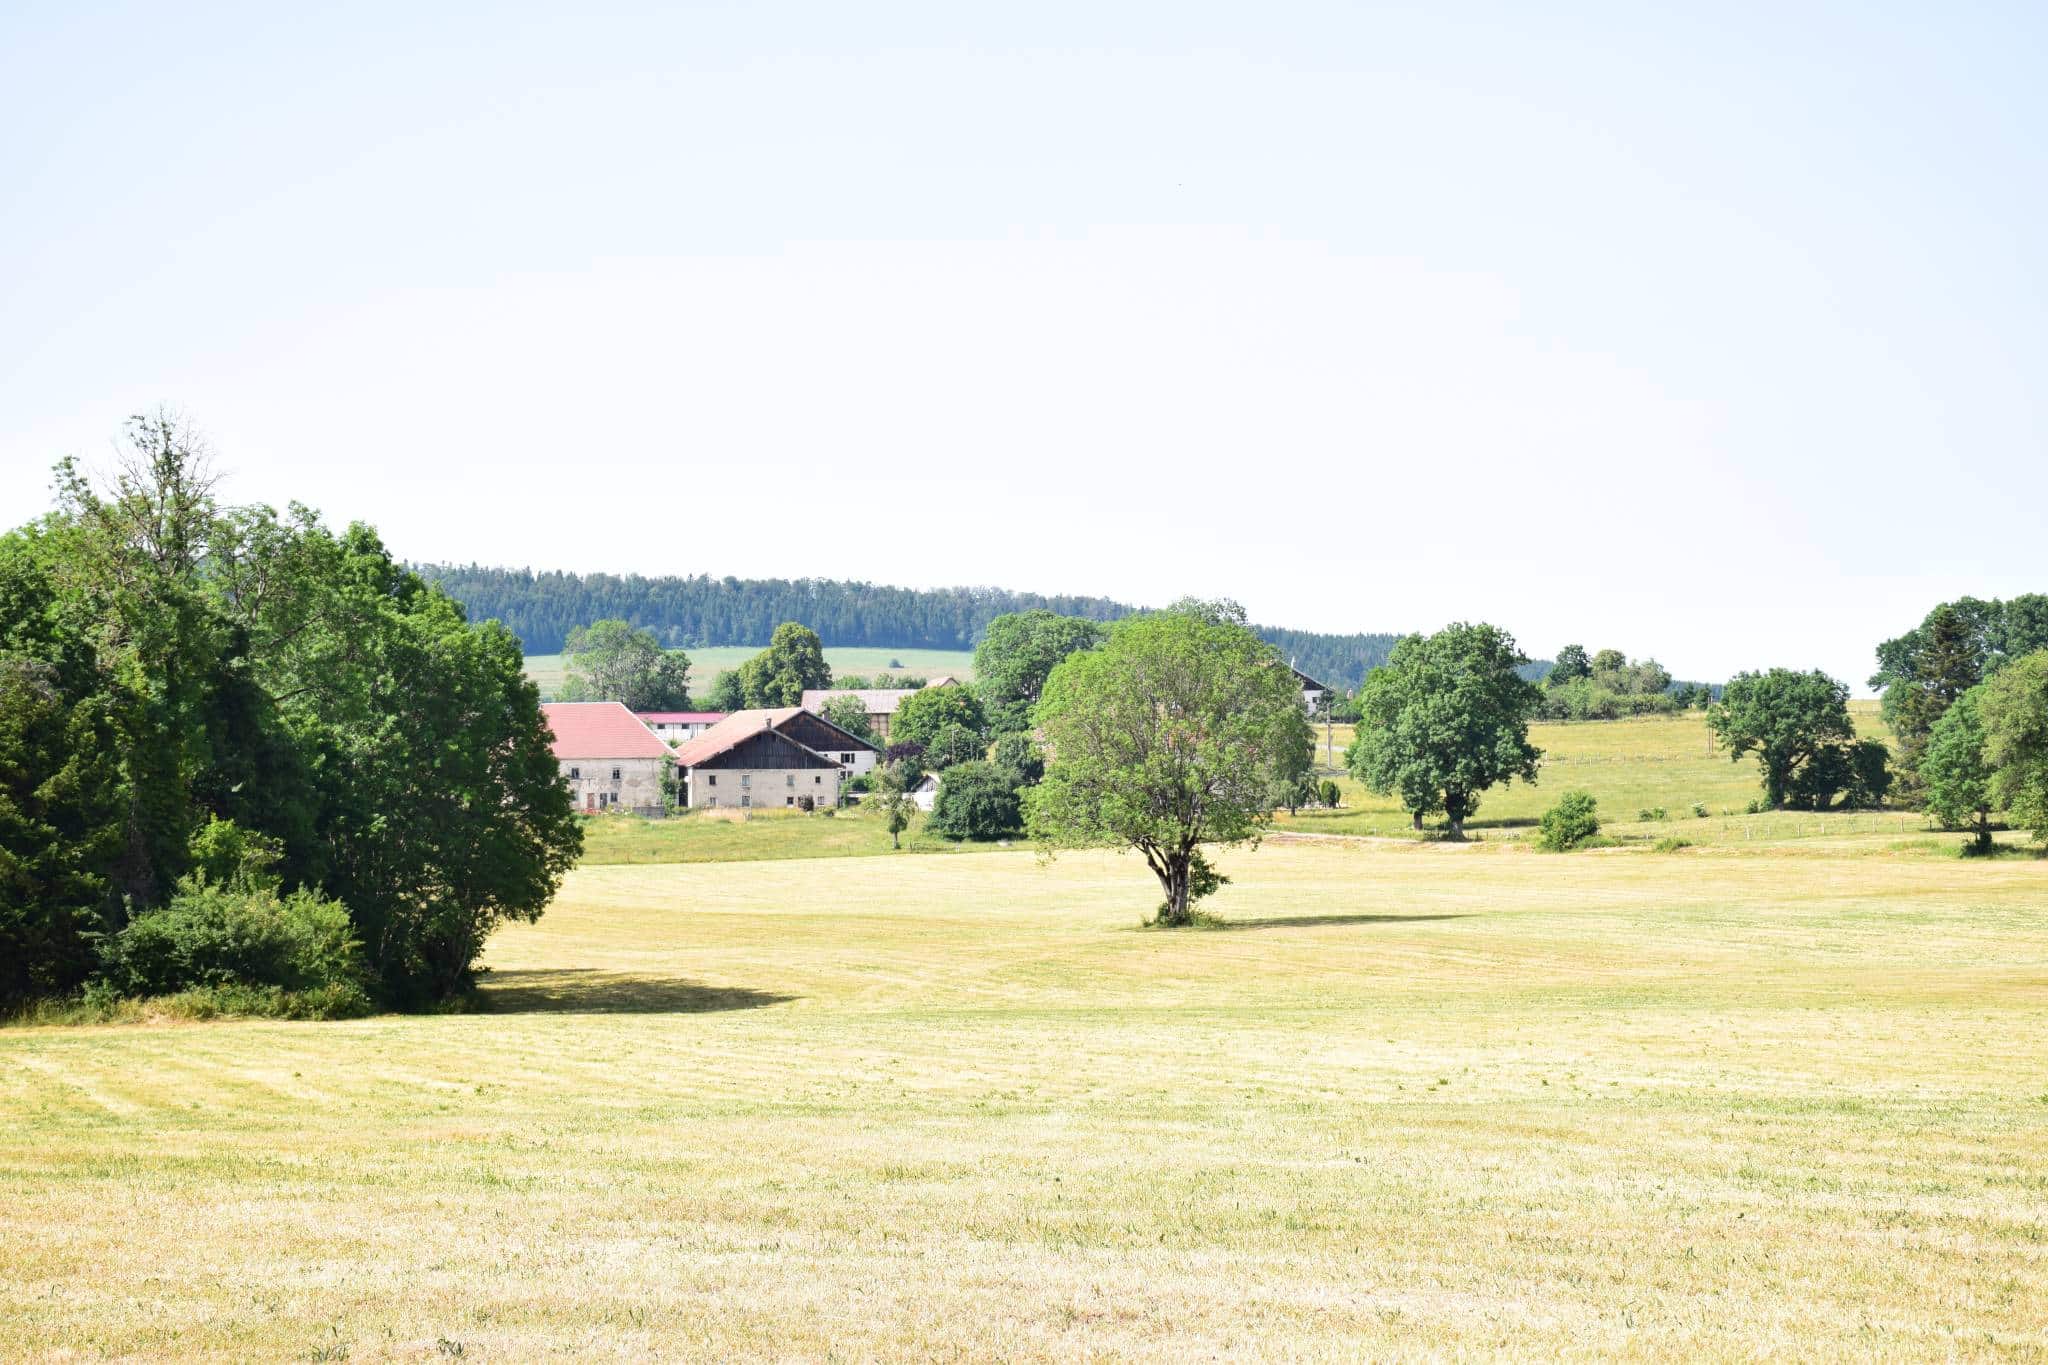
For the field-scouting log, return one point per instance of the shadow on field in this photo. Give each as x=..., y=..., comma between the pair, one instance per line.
x=1319, y=921
x=585, y=990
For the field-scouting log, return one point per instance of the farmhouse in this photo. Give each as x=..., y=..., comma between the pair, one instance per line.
x=1314, y=695
x=880, y=702
x=609, y=759
x=674, y=727
x=744, y=761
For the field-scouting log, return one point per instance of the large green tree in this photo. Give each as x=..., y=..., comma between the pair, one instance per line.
x=1013, y=660
x=1795, y=723
x=1165, y=739
x=611, y=661
x=792, y=664
x=1956, y=773
x=923, y=715
x=1445, y=720
x=1945, y=659
x=2013, y=707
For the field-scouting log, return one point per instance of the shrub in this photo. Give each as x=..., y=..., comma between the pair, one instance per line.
x=210, y=935
x=976, y=800
x=1021, y=755
x=1330, y=794
x=1671, y=843
x=1570, y=823
x=1650, y=814
x=1699, y=810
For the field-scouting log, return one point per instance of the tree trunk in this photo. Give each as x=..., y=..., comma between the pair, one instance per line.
x=1458, y=827
x=1173, y=913
x=1983, y=831
x=1418, y=819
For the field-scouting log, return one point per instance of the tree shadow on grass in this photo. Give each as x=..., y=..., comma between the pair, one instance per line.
x=585, y=990
x=1323, y=921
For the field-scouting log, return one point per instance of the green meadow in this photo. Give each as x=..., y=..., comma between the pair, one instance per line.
x=762, y=1089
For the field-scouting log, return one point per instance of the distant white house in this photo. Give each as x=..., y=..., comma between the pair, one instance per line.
x=1314, y=695
x=926, y=791
x=676, y=726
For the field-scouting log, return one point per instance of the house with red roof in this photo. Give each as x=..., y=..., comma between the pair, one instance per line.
x=609, y=758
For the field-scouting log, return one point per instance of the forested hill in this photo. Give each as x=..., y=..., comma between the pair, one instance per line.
x=540, y=608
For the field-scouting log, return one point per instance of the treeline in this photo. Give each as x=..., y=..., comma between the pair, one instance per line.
x=252, y=760
x=684, y=613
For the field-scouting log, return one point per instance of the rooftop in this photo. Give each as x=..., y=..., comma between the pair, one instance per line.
x=599, y=729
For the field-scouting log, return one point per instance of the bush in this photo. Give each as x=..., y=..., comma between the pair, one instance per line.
x=1330, y=794
x=976, y=800
x=1699, y=810
x=1671, y=843
x=210, y=936
x=1570, y=823
x=1651, y=813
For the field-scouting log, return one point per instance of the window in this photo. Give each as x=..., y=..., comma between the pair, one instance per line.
x=711, y=779
x=818, y=780
x=615, y=774
x=846, y=759
x=710, y=801
x=746, y=779
x=789, y=779
x=746, y=800
x=575, y=773
x=789, y=800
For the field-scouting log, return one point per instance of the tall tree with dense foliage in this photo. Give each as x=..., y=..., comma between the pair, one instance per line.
x=1016, y=656
x=183, y=665
x=889, y=793
x=1164, y=739
x=1956, y=773
x=793, y=663
x=976, y=800
x=1945, y=658
x=921, y=716
x=1572, y=664
x=1445, y=720
x=1797, y=724
x=2013, y=707
x=850, y=714
x=611, y=661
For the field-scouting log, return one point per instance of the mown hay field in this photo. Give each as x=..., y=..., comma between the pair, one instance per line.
x=1415, y=1100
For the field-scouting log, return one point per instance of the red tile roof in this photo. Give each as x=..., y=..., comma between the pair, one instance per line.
x=729, y=732
x=599, y=729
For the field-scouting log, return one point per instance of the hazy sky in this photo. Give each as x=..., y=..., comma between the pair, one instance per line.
x=1717, y=335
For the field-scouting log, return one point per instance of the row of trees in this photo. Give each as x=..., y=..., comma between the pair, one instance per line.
x=223, y=727
x=543, y=609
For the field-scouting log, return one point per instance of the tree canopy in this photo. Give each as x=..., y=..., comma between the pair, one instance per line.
x=611, y=661
x=1445, y=720
x=2013, y=708
x=1016, y=656
x=792, y=664
x=921, y=716
x=1956, y=773
x=1798, y=726
x=1166, y=738
x=174, y=663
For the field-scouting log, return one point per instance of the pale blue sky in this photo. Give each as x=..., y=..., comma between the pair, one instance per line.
x=1718, y=336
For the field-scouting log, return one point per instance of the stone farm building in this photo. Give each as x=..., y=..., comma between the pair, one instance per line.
x=674, y=727
x=770, y=758
x=880, y=702
x=611, y=761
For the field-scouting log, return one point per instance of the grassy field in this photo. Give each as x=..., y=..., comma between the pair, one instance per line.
x=707, y=664
x=1417, y=1100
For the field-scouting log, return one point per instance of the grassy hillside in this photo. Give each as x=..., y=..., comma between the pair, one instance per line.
x=1419, y=1100
x=1628, y=766
x=707, y=664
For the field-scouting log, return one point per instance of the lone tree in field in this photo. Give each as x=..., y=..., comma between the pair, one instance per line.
x=1794, y=722
x=1167, y=737
x=1447, y=718
x=890, y=794
x=1956, y=773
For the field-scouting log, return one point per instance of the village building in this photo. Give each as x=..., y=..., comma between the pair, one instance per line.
x=745, y=763
x=1314, y=695
x=610, y=760
x=924, y=794
x=674, y=727
x=858, y=756
x=879, y=702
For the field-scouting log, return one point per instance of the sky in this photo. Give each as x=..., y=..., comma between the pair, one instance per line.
x=1715, y=334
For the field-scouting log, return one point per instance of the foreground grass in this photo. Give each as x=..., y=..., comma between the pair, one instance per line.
x=1416, y=1100
x=706, y=664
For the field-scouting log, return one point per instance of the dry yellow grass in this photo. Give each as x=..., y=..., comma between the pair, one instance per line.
x=1418, y=1100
